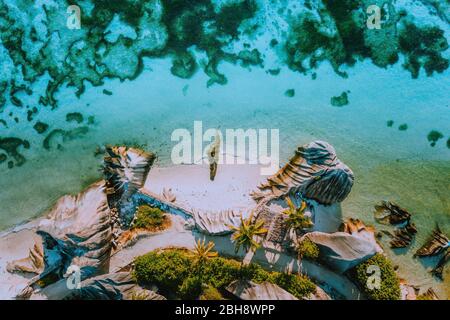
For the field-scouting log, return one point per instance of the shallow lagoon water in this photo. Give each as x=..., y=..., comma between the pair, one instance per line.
x=389, y=164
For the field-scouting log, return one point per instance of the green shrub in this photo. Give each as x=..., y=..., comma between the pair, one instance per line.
x=390, y=285
x=220, y=272
x=167, y=269
x=297, y=285
x=191, y=287
x=308, y=249
x=174, y=272
x=148, y=217
x=255, y=272
x=211, y=293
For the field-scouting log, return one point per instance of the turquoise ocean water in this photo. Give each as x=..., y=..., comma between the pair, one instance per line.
x=393, y=162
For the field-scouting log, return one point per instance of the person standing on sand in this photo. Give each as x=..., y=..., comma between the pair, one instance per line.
x=213, y=156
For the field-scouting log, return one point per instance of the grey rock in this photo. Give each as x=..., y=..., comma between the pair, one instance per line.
x=215, y=223
x=76, y=231
x=113, y=286
x=315, y=172
x=248, y=290
x=320, y=294
x=342, y=251
x=33, y=263
x=125, y=171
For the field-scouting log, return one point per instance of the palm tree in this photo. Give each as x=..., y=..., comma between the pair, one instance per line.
x=296, y=216
x=246, y=236
x=202, y=251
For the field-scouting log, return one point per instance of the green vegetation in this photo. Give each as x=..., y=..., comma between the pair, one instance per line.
x=403, y=127
x=390, y=123
x=308, y=249
x=390, y=285
x=296, y=216
x=244, y=235
x=175, y=274
x=211, y=293
x=203, y=252
x=149, y=218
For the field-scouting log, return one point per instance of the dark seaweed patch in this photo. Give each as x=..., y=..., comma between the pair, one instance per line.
x=423, y=47
x=16, y=101
x=107, y=92
x=273, y=42
x=31, y=113
x=403, y=127
x=40, y=127
x=390, y=123
x=64, y=136
x=434, y=136
x=11, y=146
x=248, y=58
x=74, y=116
x=289, y=93
x=184, y=65
x=231, y=16
x=340, y=101
x=274, y=72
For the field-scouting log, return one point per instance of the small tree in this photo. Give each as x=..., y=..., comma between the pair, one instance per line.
x=296, y=216
x=246, y=236
x=202, y=251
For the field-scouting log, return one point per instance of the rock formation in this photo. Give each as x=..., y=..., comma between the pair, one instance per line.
x=34, y=263
x=357, y=228
x=113, y=286
x=389, y=212
x=125, y=170
x=275, y=224
x=430, y=294
x=403, y=236
x=168, y=195
x=342, y=250
x=320, y=294
x=78, y=230
x=437, y=244
x=315, y=172
x=248, y=290
x=438, y=270
x=215, y=223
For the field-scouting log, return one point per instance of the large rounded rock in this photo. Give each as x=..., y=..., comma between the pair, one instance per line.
x=113, y=286
x=315, y=172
